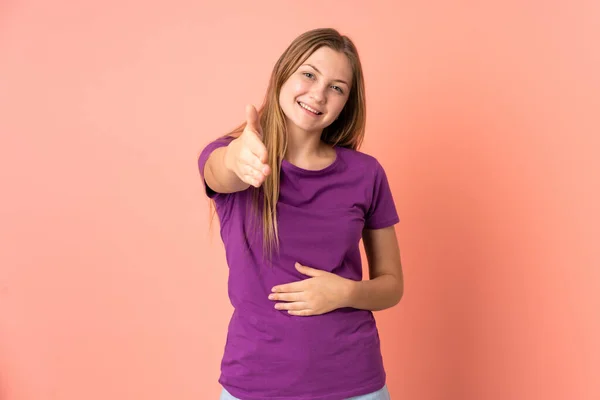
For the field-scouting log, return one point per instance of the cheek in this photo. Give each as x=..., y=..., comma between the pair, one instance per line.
x=287, y=97
x=300, y=86
x=338, y=106
x=295, y=87
x=284, y=94
x=287, y=91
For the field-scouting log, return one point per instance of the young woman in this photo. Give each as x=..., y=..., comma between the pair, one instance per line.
x=294, y=197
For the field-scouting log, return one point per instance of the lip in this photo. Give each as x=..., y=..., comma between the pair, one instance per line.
x=314, y=108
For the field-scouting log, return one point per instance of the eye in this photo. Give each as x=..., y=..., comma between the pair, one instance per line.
x=308, y=75
x=338, y=89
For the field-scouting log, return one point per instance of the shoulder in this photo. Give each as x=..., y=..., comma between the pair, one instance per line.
x=359, y=161
x=210, y=147
x=218, y=142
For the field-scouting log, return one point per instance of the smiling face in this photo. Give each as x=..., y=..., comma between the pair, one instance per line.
x=315, y=94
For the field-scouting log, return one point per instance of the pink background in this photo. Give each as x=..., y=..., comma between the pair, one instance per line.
x=484, y=114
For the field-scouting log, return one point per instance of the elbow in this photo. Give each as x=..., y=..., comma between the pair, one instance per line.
x=398, y=292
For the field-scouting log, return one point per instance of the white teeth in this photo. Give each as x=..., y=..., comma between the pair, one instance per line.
x=308, y=108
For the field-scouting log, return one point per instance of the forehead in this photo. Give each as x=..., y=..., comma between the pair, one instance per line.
x=331, y=63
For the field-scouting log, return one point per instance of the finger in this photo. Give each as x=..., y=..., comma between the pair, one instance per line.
x=261, y=167
x=295, y=306
x=252, y=172
x=252, y=120
x=249, y=174
x=288, y=288
x=258, y=149
x=302, y=313
x=286, y=296
x=254, y=161
x=308, y=270
x=252, y=181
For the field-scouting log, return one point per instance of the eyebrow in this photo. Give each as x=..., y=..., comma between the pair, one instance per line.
x=335, y=80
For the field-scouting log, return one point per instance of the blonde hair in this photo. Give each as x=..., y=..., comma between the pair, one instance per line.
x=346, y=131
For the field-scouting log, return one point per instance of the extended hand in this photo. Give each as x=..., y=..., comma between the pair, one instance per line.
x=320, y=294
x=246, y=156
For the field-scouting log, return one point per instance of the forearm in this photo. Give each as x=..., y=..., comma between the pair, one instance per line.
x=218, y=177
x=376, y=294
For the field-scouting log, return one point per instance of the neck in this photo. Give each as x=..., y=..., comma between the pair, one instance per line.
x=302, y=145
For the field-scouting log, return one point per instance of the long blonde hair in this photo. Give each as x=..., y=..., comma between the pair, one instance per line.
x=347, y=131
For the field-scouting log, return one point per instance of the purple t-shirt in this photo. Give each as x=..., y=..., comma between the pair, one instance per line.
x=270, y=354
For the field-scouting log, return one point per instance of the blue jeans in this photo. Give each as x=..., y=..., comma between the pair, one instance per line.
x=381, y=394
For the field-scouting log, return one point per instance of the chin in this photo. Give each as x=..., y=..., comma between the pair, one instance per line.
x=307, y=128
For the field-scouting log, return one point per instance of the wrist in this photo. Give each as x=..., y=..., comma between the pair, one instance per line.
x=350, y=292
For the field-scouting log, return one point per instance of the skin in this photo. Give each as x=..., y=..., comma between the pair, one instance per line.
x=322, y=82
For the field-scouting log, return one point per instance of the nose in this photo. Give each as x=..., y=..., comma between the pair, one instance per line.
x=318, y=93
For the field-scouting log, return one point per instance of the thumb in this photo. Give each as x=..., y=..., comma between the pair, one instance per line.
x=307, y=270
x=252, y=121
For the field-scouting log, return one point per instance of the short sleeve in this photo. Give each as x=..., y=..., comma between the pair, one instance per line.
x=382, y=210
x=204, y=154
